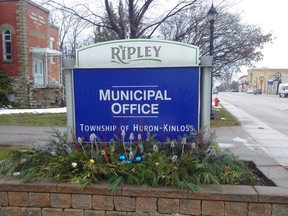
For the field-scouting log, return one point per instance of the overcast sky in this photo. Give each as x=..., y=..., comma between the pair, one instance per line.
x=272, y=17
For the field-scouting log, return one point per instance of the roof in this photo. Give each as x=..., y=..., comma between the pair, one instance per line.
x=38, y=5
x=45, y=51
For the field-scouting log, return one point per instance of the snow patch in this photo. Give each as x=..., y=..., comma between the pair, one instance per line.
x=33, y=111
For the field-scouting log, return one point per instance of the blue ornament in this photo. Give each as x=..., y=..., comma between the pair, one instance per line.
x=138, y=159
x=122, y=158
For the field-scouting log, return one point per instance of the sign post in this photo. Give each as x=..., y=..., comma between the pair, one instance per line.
x=206, y=91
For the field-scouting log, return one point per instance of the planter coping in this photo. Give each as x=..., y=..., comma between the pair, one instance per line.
x=236, y=193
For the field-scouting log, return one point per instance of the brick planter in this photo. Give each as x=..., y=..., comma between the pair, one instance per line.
x=53, y=199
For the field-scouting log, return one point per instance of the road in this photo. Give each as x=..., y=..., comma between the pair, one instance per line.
x=270, y=109
x=25, y=136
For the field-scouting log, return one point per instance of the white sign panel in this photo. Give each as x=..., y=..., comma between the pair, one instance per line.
x=137, y=53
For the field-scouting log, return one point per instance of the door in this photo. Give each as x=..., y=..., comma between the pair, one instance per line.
x=38, y=73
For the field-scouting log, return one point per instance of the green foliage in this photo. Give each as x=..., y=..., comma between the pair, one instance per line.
x=26, y=165
x=5, y=152
x=5, y=88
x=183, y=163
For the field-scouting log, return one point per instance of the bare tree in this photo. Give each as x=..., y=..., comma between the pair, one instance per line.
x=235, y=44
x=77, y=31
x=132, y=19
x=71, y=29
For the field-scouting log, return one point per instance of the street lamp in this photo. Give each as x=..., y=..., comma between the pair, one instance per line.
x=211, y=15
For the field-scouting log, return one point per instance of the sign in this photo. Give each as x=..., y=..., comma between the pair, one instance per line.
x=139, y=86
x=137, y=53
x=37, y=19
x=161, y=101
x=278, y=75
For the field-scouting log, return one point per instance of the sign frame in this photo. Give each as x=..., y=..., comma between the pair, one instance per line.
x=138, y=53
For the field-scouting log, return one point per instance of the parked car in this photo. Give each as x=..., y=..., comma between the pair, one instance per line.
x=249, y=91
x=234, y=90
x=283, y=90
x=257, y=91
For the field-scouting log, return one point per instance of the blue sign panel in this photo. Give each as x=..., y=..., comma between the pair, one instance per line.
x=161, y=101
x=270, y=82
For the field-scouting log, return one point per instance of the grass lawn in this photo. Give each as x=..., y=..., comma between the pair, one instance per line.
x=27, y=119
x=223, y=118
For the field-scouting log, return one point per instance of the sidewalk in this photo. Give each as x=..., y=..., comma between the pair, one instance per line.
x=256, y=141
x=274, y=143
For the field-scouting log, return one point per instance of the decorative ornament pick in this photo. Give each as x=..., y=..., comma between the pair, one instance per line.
x=122, y=158
x=131, y=155
x=139, y=137
x=138, y=159
x=174, y=158
x=155, y=148
x=16, y=173
x=103, y=153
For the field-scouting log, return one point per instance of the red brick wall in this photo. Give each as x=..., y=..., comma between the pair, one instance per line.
x=54, y=33
x=8, y=15
x=39, y=33
x=31, y=28
x=38, y=26
x=38, y=30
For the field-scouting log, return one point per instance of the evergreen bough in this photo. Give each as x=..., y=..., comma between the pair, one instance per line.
x=184, y=163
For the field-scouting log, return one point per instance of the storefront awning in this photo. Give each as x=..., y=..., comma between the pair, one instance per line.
x=45, y=51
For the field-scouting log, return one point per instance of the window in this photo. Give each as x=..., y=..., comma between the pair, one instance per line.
x=7, y=45
x=52, y=47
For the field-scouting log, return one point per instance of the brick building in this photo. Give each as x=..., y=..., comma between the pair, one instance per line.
x=29, y=53
x=243, y=83
x=267, y=80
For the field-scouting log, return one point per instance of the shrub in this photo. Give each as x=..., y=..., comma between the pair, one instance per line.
x=182, y=163
x=5, y=88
